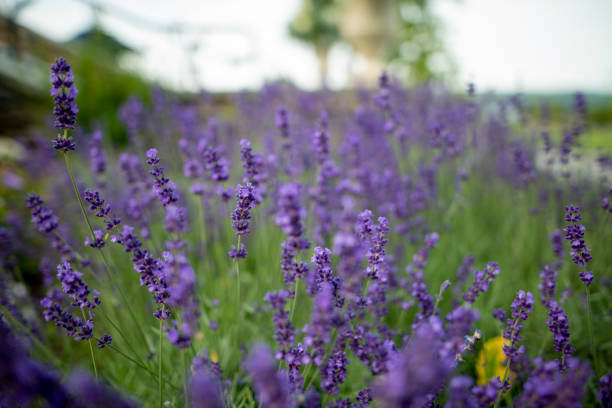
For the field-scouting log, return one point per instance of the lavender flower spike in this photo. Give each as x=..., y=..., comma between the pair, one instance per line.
x=64, y=94
x=521, y=307
x=271, y=386
x=574, y=233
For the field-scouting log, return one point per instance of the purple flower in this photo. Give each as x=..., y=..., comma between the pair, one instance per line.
x=42, y=216
x=460, y=393
x=463, y=272
x=106, y=340
x=558, y=323
x=284, y=333
x=282, y=118
x=318, y=333
x=416, y=273
x=557, y=243
x=548, y=284
x=151, y=270
x=64, y=94
x=245, y=202
x=605, y=390
x=482, y=280
x=252, y=164
x=271, y=386
x=289, y=217
x=417, y=373
x=96, y=154
x=520, y=307
x=574, y=233
x=376, y=253
x=181, y=281
x=486, y=394
x=97, y=241
x=132, y=115
x=75, y=288
x=205, y=390
x=24, y=382
x=163, y=187
x=333, y=372
x=547, y=387
x=320, y=139
x=102, y=210
x=216, y=164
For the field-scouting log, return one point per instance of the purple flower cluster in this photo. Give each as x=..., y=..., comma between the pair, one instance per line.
x=418, y=373
x=289, y=217
x=574, y=233
x=605, y=202
x=163, y=187
x=558, y=323
x=245, y=202
x=547, y=387
x=416, y=273
x=97, y=155
x=78, y=291
x=152, y=271
x=284, y=333
x=102, y=210
x=378, y=239
x=520, y=307
x=64, y=94
x=548, y=284
x=271, y=386
x=43, y=217
x=252, y=164
x=482, y=280
x=181, y=288
x=320, y=139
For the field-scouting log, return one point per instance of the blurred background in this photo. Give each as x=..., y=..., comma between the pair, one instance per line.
x=539, y=48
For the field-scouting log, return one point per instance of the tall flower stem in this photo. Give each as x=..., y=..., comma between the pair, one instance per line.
x=590, y=327
x=104, y=259
x=159, y=365
x=295, y=296
x=237, y=264
x=93, y=359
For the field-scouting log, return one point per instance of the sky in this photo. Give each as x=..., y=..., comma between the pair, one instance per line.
x=501, y=45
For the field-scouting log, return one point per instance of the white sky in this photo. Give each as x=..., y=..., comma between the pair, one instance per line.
x=506, y=45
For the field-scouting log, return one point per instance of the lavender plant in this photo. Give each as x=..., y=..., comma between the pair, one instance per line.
x=333, y=305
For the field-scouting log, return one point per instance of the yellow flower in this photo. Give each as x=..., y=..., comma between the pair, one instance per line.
x=492, y=361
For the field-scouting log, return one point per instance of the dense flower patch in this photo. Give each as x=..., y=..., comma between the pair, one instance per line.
x=289, y=253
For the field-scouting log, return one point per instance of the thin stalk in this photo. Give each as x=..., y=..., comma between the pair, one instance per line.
x=590, y=326
x=295, y=296
x=238, y=274
x=108, y=269
x=152, y=373
x=185, y=374
x=93, y=359
x=159, y=365
x=500, y=393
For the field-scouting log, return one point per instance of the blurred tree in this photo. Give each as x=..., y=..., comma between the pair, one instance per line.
x=316, y=25
x=402, y=35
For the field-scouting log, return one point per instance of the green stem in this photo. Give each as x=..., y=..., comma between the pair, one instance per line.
x=105, y=260
x=76, y=191
x=93, y=359
x=186, y=376
x=295, y=296
x=238, y=274
x=159, y=365
x=590, y=326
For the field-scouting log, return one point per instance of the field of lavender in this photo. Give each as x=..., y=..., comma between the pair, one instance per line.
x=387, y=248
